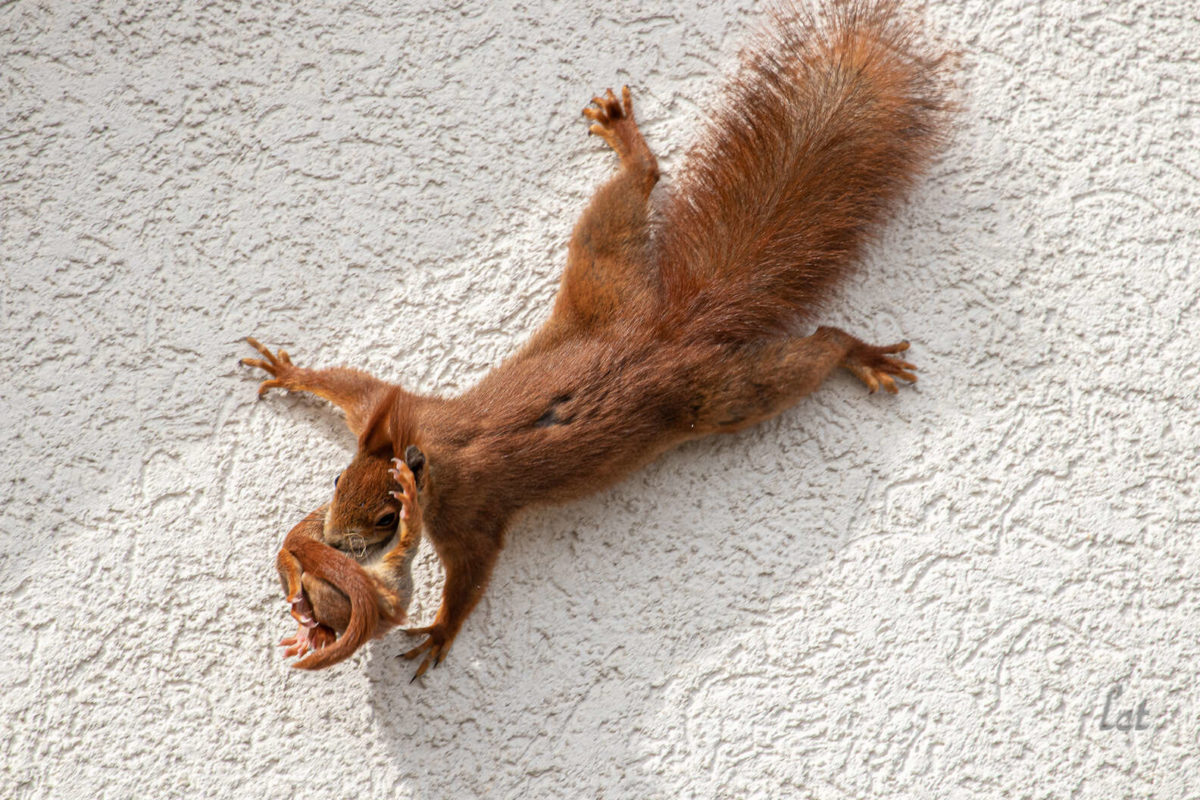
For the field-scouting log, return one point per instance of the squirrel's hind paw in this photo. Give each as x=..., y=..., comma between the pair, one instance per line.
x=612, y=120
x=310, y=634
x=605, y=109
x=307, y=638
x=876, y=366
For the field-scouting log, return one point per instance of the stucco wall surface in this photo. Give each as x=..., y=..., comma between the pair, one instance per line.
x=929, y=595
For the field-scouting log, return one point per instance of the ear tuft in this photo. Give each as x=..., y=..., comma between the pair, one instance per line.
x=415, y=460
x=376, y=437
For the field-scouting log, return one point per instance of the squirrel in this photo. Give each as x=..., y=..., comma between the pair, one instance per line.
x=669, y=323
x=357, y=603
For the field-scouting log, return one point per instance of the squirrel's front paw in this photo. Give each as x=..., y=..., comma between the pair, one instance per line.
x=410, y=509
x=875, y=366
x=278, y=365
x=435, y=647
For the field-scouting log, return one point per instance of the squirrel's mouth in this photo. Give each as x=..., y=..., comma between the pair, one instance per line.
x=357, y=548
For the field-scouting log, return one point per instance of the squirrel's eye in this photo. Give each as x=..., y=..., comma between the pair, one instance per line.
x=335, y=480
x=386, y=521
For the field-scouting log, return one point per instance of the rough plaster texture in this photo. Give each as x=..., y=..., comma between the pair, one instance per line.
x=928, y=595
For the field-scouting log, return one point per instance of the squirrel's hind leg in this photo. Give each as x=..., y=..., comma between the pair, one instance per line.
x=763, y=379
x=613, y=121
x=310, y=634
x=610, y=271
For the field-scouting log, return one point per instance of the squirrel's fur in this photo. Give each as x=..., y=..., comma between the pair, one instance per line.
x=668, y=325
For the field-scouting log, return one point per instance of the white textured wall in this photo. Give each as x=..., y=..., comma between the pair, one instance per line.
x=927, y=596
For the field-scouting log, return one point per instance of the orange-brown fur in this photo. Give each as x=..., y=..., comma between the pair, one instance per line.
x=330, y=592
x=350, y=599
x=670, y=326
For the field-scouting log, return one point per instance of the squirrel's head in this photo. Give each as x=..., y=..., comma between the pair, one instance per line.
x=364, y=518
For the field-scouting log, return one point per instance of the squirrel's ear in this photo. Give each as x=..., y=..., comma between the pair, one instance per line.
x=376, y=437
x=415, y=460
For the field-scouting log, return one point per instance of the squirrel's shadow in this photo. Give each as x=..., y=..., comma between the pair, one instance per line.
x=597, y=608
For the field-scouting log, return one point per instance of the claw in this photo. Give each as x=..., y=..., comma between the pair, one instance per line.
x=434, y=648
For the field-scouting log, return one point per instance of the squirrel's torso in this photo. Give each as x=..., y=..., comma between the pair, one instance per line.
x=556, y=422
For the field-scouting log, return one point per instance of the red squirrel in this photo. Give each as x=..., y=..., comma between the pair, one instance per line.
x=358, y=603
x=668, y=324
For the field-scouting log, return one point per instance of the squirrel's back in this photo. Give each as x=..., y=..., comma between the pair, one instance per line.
x=828, y=121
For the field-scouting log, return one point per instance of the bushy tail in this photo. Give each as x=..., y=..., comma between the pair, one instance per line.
x=365, y=612
x=819, y=134
x=367, y=616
